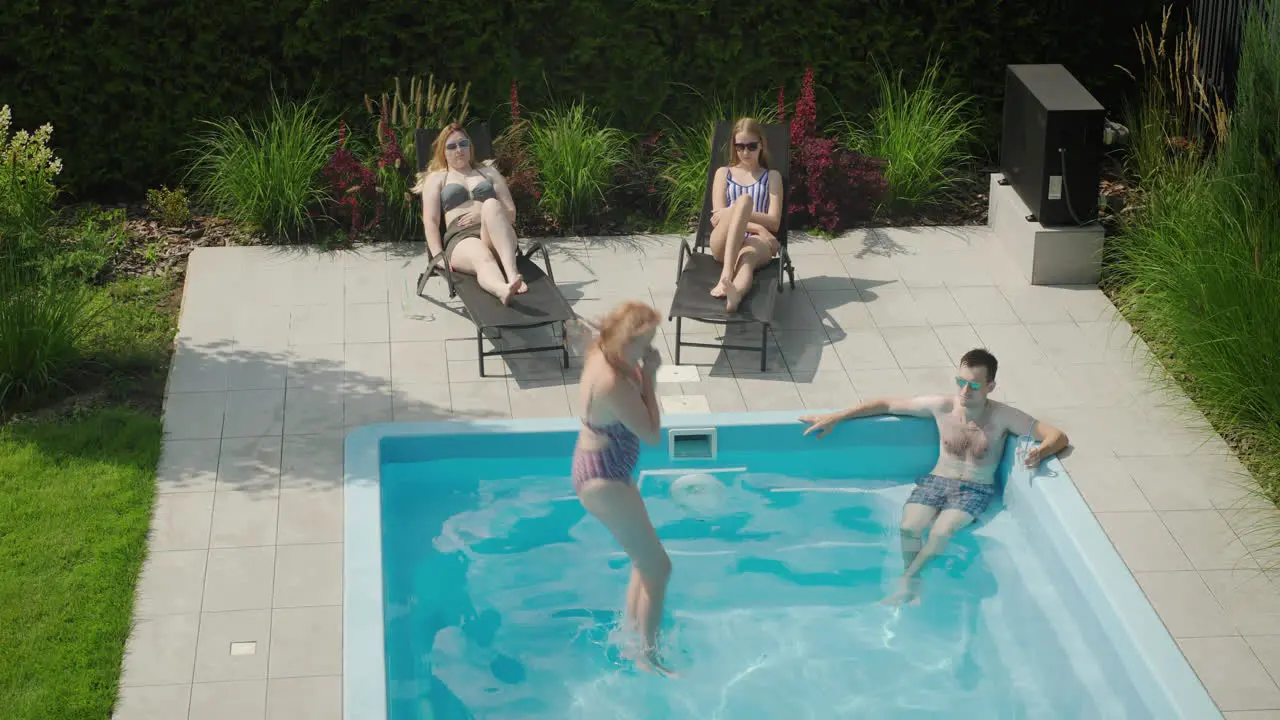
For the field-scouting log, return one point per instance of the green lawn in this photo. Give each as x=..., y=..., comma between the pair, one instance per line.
x=75, y=502
x=77, y=482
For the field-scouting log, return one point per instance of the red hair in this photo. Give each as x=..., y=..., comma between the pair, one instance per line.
x=622, y=325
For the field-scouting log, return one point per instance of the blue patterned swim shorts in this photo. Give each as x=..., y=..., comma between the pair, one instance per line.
x=948, y=494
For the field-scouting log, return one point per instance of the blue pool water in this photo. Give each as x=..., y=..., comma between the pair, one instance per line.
x=500, y=594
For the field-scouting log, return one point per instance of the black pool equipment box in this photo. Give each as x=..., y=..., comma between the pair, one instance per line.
x=1051, y=147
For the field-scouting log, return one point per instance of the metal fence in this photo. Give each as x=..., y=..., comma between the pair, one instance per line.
x=1220, y=24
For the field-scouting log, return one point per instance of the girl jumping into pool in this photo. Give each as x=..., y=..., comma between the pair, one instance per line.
x=619, y=411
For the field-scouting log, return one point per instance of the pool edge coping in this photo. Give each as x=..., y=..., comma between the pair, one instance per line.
x=363, y=642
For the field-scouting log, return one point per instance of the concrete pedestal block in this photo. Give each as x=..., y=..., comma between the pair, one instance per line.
x=1045, y=255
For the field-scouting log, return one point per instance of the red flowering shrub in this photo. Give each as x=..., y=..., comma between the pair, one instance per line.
x=513, y=159
x=831, y=187
x=355, y=189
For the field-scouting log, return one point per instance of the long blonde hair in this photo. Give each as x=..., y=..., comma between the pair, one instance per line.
x=753, y=127
x=621, y=326
x=438, y=161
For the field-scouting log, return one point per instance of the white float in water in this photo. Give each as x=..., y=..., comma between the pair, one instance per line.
x=698, y=492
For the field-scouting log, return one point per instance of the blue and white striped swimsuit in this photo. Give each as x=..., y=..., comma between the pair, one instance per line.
x=758, y=191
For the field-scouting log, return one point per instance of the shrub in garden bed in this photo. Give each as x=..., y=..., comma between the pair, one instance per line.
x=832, y=188
x=1196, y=264
x=267, y=175
x=575, y=156
x=924, y=136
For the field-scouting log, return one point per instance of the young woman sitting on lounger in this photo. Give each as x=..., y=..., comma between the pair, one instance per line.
x=479, y=236
x=746, y=201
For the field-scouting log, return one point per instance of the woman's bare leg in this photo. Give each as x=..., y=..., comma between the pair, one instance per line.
x=735, y=233
x=619, y=506
x=502, y=237
x=754, y=253
x=472, y=256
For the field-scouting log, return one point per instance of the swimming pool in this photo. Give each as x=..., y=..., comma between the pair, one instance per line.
x=476, y=586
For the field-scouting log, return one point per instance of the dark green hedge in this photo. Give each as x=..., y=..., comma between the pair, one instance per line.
x=123, y=80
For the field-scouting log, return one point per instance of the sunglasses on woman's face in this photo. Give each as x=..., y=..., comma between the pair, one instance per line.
x=747, y=147
x=464, y=144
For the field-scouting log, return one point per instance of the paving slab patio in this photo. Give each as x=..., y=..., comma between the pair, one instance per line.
x=281, y=350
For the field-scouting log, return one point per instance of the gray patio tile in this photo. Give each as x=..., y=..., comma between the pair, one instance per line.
x=984, y=305
x=197, y=369
x=180, y=521
x=171, y=583
x=304, y=698
x=194, y=416
x=794, y=311
x=806, y=353
x=233, y=646
x=366, y=282
x=925, y=270
x=1183, y=483
x=534, y=367
x=1185, y=604
x=249, y=463
x=825, y=277
x=1207, y=540
x=675, y=404
x=249, y=369
x=915, y=347
x=838, y=310
x=879, y=383
x=316, y=365
x=1038, y=303
x=242, y=700
x=254, y=413
x=1011, y=344
x=239, y=579
x=153, y=702
x=957, y=340
x=312, y=461
x=309, y=411
x=764, y=392
x=722, y=394
x=1033, y=387
x=187, y=466
x=547, y=400
x=420, y=362
x=312, y=515
x=938, y=380
x=306, y=642
x=367, y=405
x=317, y=324
x=244, y=518
x=366, y=365
x=428, y=321
x=896, y=307
x=1066, y=343
x=1097, y=384
x=938, y=305
x=865, y=350
x=1106, y=484
x=261, y=327
x=1252, y=715
x=308, y=575
x=484, y=399
x=1267, y=648
x=1231, y=672
x=368, y=323
x=160, y=650
x=421, y=402
x=1143, y=542
x=827, y=389
x=1249, y=598
x=872, y=273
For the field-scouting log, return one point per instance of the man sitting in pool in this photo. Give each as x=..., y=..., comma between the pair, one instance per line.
x=971, y=430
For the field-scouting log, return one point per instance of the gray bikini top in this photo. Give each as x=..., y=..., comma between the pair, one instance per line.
x=454, y=194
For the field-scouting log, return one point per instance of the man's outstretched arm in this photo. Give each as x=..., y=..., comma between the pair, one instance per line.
x=920, y=406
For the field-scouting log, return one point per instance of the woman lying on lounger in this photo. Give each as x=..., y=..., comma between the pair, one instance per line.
x=746, y=201
x=479, y=236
